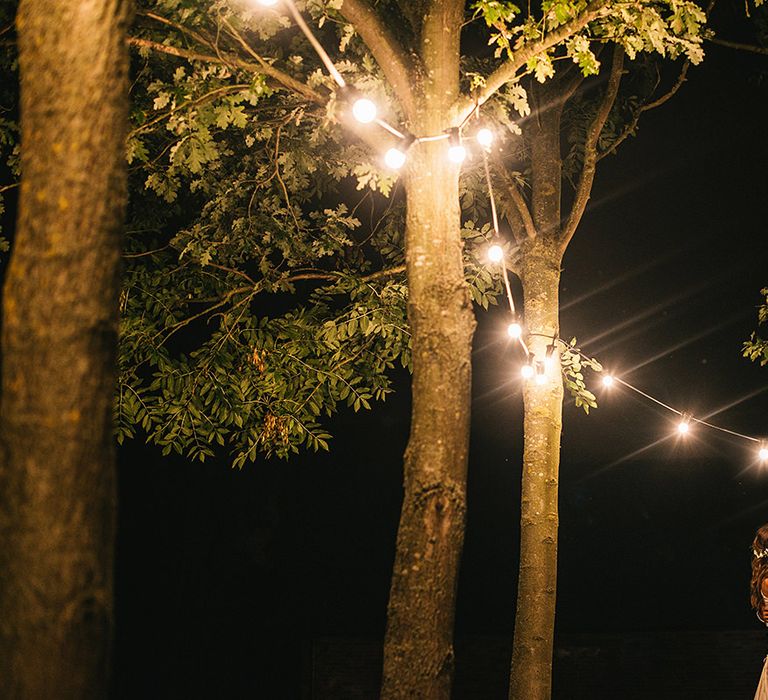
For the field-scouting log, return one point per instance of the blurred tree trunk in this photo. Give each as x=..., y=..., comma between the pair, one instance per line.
x=57, y=481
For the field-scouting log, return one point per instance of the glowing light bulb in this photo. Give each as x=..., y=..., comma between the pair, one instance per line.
x=607, y=380
x=762, y=453
x=495, y=253
x=457, y=154
x=683, y=427
x=364, y=110
x=514, y=330
x=484, y=137
x=394, y=158
x=541, y=378
x=526, y=371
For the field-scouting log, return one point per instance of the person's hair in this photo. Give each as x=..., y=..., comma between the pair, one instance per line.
x=759, y=568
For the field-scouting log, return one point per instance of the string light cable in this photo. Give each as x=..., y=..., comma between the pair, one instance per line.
x=686, y=419
x=366, y=112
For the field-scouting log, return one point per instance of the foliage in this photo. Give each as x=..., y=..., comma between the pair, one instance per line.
x=574, y=362
x=756, y=348
x=256, y=301
x=667, y=27
x=264, y=286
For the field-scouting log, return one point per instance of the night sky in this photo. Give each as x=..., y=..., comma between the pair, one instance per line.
x=661, y=283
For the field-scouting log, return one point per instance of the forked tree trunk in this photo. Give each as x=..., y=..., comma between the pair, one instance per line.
x=418, y=648
x=531, y=672
x=57, y=485
x=531, y=676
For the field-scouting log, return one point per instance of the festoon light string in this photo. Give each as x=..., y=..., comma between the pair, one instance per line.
x=365, y=111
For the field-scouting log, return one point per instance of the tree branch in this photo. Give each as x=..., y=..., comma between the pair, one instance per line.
x=508, y=71
x=331, y=276
x=262, y=68
x=584, y=188
x=514, y=193
x=397, y=64
x=629, y=129
x=199, y=38
x=751, y=48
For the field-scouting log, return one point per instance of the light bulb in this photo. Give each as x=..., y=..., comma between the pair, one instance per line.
x=394, y=158
x=526, y=371
x=364, y=110
x=514, y=330
x=495, y=253
x=541, y=378
x=607, y=380
x=457, y=154
x=484, y=137
x=763, y=453
x=683, y=427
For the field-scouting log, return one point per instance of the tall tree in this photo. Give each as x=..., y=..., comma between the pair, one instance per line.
x=237, y=55
x=543, y=234
x=419, y=66
x=59, y=338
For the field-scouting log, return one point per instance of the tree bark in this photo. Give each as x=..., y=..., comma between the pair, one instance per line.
x=418, y=648
x=531, y=675
x=59, y=337
x=540, y=258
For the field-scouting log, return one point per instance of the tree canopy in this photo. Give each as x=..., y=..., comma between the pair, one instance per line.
x=264, y=282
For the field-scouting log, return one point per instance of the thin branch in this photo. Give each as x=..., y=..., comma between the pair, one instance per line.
x=5, y=188
x=397, y=64
x=278, y=132
x=331, y=276
x=518, y=200
x=387, y=272
x=261, y=68
x=199, y=38
x=246, y=46
x=584, y=188
x=632, y=125
x=751, y=48
x=508, y=71
x=145, y=253
x=234, y=271
x=630, y=128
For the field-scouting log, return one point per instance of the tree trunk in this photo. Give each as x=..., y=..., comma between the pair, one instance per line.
x=59, y=336
x=418, y=650
x=531, y=673
x=531, y=676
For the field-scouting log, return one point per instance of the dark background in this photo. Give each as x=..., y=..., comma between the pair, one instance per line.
x=225, y=577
